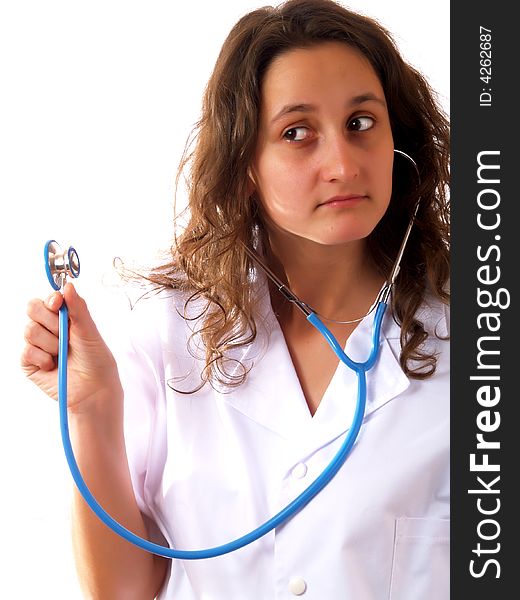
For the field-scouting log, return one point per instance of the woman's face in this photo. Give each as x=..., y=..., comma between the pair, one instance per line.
x=323, y=163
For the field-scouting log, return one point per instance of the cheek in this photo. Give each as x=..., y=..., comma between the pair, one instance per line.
x=385, y=178
x=279, y=186
x=388, y=187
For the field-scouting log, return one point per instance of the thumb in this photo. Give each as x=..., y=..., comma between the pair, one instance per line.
x=79, y=315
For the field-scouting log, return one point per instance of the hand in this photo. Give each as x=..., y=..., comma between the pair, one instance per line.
x=92, y=371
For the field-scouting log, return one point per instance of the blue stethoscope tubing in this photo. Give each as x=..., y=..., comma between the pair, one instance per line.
x=360, y=368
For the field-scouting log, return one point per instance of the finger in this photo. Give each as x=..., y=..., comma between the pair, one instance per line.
x=34, y=359
x=54, y=301
x=37, y=335
x=41, y=313
x=79, y=314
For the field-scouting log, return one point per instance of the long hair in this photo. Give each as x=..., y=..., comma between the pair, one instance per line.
x=208, y=259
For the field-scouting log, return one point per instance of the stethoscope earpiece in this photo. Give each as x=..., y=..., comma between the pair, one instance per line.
x=60, y=264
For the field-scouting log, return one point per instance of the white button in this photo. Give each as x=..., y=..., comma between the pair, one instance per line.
x=299, y=471
x=297, y=586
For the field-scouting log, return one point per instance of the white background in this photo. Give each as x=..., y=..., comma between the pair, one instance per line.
x=97, y=99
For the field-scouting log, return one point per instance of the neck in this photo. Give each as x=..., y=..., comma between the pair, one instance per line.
x=339, y=282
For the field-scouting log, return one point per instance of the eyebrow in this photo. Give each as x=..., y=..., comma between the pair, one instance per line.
x=307, y=108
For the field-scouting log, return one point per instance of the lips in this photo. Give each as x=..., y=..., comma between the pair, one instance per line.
x=347, y=200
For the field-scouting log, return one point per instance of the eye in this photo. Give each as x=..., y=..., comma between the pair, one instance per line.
x=361, y=123
x=296, y=134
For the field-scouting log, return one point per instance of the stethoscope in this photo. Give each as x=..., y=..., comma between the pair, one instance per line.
x=60, y=264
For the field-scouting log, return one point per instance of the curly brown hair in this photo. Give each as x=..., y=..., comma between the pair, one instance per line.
x=208, y=259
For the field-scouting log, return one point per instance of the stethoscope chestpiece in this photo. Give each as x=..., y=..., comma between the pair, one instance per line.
x=60, y=264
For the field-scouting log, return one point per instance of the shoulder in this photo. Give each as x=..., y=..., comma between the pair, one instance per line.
x=435, y=316
x=152, y=322
x=156, y=312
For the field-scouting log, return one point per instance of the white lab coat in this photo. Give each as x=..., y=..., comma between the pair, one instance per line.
x=211, y=466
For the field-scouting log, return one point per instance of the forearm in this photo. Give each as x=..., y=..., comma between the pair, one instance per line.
x=109, y=566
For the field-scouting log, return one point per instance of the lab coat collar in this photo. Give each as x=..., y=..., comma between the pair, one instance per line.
x=272, y=395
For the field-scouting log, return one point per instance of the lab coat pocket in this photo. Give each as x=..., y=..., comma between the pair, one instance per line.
x=421, y=562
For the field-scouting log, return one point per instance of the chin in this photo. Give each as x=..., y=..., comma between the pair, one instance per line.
x=342, y=237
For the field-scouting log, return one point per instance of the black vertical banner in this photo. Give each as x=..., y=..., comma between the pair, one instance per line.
x=485, y=201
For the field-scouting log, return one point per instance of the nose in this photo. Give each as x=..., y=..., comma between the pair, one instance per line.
x=339, y=160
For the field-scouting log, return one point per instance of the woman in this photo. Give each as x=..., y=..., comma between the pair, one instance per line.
x=228, y=403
